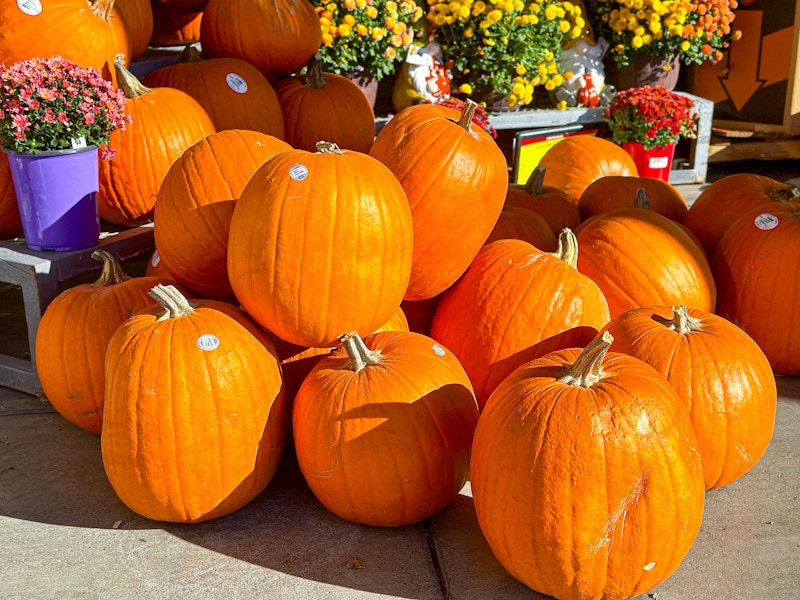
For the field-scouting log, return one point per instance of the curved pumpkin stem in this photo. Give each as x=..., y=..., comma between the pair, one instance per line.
x=112, y=270
x=360, y=355
x=191, y=54
x=588, y=368
x=567, y=249
x=465, y=119
x=130, y=86
x=172, y=301
x=535, y=183
x=103, y=8
x=328, y=148
x=642, y=199
x=681, y=321
x=785, y=192
x=314, y=78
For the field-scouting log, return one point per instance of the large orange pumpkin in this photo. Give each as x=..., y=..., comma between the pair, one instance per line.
x=236, y=28
x=137, y=17
x=78, y=30
x=720, y=374
x=325, y=106
x=515, y=303
x=195, y=205
x=320, y=244
x=723, y=201
x=575, y=162
x=195, y=415
x=165, y=122
x=73, y=334
x=455, y=177
x=233, y=92
x=756, y=266
x=641, y=258
x=382, y=428
x=585, y=475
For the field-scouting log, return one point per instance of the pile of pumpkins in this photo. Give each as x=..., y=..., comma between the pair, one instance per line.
x=592, y=354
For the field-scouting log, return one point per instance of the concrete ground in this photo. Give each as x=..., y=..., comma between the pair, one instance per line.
x=64, y=533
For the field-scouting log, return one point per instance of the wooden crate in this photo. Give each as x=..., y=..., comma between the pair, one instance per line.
x=756, y=86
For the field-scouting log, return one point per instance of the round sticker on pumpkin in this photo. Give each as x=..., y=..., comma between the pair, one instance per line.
x=236, y=83
x=30, y=7
x=437, y=349
x=766, y=221
x=155, y=259
x=207, y=342
x=298, y=172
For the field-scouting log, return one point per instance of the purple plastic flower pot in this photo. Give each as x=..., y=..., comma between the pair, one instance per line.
x=57, y=197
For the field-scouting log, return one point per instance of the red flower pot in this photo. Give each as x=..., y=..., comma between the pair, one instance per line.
x=655, y=163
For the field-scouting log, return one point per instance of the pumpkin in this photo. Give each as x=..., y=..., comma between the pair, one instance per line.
x=617, y=191
x=233, y=92
x=755, y=266
x=575, y=162
x=515, y=303
x=641, y=258
x=553, y=205
x=721, y=376
x=235, y=28
x=195, y=417
x=325, y=106
x=320, y=244
x=382, y=428
x=10, y=218
x=585, y=475
x=455, y=177
x=174, y=28
x=515, y=222
x=137, y=17
x=79, y=30
x=723, y=201
x=195, y=204
x=72, y=336
x=165, y=122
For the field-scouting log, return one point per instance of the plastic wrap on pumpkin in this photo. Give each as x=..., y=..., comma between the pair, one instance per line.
x=422, y=77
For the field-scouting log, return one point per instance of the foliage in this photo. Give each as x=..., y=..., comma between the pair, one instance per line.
x=368, y=34
x=54, y=104
x=693, y=30
x=504, y=47
x=652, y=116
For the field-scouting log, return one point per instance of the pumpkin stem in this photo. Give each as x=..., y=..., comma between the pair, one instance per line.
x=785, y=192
x=360, y=355
x=587, y=369
x=102, y=8
x=112, y=270
x=191, y=54
x=314, y=78
x=465, y=119
x=680, y=322
x=535, y=183
x=328, y=148
x=567, y=249
x=642, y=199
x=172, y=301
x=130, y=86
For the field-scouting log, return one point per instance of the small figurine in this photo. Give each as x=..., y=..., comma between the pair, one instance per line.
x=422, y=77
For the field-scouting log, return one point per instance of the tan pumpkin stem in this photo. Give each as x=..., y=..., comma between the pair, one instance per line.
x=191, y=54
x=567, y=249
x=587, y=369
x=328, y=147
x=360, y=355
x=172, y=301
x=112, y=270
x=127, y=82
x=465, y=119
x=785, y=192
x=680, y=322
x=314, y=78
x=103, y=8
x=642, y=199
x=535, y=183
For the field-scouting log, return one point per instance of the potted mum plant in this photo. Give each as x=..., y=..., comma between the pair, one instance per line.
x=650, y=39
x=365, y=39
x=503, y=51
x=54, y=115
x=647, y=122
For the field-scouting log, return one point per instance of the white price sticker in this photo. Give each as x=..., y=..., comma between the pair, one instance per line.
x=207, y=342
x=659, y=162
x=236, y=83
x=766, y=221
x=437, y=349
x=30, y=7
x=155, y=259
x=298, y=172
